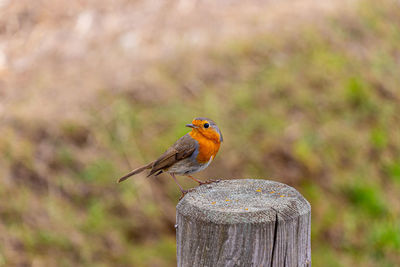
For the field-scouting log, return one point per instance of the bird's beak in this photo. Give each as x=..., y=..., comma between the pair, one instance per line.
x=190, y=125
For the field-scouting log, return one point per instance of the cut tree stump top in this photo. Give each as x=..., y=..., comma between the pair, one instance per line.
x=243, y=201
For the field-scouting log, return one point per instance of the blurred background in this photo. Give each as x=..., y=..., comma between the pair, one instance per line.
x=305, y=93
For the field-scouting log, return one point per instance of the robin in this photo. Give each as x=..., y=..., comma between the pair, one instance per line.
x=192, y=153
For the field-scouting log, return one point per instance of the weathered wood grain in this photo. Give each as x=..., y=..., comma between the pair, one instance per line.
x=243, y=223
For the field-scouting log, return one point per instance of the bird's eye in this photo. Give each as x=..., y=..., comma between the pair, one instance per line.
x=206, y=125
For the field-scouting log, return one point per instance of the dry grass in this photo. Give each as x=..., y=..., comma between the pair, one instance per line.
x=72, y=53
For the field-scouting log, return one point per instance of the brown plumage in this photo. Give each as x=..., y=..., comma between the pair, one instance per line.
x=192, y=152
x=182, y=149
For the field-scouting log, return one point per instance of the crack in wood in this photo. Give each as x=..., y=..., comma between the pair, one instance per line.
x=275, y=239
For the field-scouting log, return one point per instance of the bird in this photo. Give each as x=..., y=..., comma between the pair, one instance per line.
x=191, y=153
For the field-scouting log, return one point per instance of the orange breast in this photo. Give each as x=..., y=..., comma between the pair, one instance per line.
x=207, y=147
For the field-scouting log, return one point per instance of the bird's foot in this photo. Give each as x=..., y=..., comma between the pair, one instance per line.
x=184, y=192
x=209, y=182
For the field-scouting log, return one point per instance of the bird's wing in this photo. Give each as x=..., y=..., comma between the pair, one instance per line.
x=183, y=148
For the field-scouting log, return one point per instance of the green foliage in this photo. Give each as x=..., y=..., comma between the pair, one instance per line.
x=98, y=171
x=367, y=198
x=393, y=170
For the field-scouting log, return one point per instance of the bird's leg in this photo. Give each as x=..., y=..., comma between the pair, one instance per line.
x=176, y=181
x=194, y=179
x=201, y=182
x=180, y=187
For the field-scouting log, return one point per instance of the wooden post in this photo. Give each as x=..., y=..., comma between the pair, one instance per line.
x=243, y=223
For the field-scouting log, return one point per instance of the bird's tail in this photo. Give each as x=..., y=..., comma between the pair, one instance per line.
x=135, y=171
